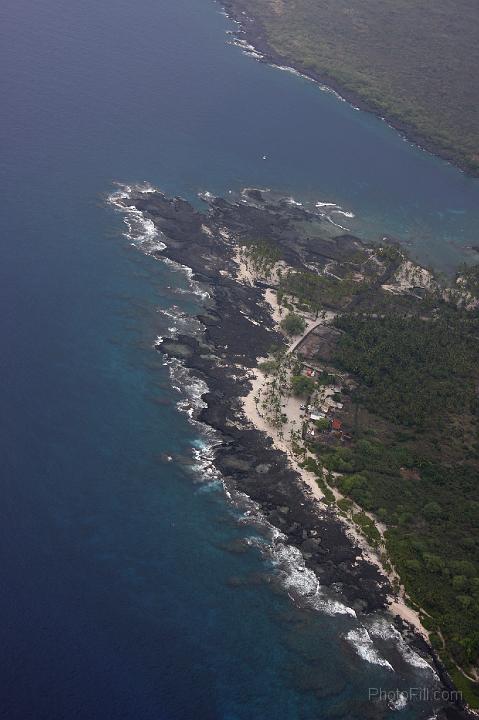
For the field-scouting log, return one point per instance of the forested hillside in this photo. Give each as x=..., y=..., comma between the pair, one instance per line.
x=413, y=62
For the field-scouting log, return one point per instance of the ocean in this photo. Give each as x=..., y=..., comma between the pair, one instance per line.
x=132, y=586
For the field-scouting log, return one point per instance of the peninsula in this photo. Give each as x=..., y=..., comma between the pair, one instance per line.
x=343, y=379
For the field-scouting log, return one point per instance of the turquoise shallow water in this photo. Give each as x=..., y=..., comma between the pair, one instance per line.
x=121, y=596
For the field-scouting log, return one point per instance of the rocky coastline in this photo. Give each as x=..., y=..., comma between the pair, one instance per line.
x=238, y=329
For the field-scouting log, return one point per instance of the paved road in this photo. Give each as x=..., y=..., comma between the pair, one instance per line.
x=309, y=328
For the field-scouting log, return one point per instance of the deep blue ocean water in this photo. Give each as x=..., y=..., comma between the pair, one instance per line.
x=120, y=593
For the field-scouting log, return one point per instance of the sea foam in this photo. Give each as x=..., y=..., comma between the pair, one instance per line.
x=143, y=234
x=364, y=646
x=289, y=568
x=385, y=630
x=141, y=231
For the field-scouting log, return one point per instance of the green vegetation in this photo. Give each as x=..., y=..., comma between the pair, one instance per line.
x=468, y=279
x=416, y=63
x=302, y=386
x=262, y=256
x=337, y=459
x=410, y=453
x=314, y=467
x=432, y=513
x=469, y=690
x=415, y=371
x=322, y=424
x=293, y=324
x=313, y=291
x=268, y=366
x=416, y=465
x=325, y=378
x=368, y=528
x=345, y=505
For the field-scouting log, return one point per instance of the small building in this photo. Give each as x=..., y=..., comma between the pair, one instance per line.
x=336, y=425
x=316, y=416
x=312, y=366
x=326, y=405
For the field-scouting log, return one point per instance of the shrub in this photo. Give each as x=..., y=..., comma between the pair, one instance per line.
x=463, y=567
x=293, y=324
x=268, y=366
x=301, y=385
x=432, y=511
x=368, y=528
x=345, y=505
x=433, y=563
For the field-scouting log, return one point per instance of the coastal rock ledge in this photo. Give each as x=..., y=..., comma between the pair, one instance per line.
x=238, y=331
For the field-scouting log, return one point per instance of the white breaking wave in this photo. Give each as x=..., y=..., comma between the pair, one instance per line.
x=346, y=213
x=143, y=234
x=195, y=288
x=382, y=628
x=200, y=292
x=321, y=86
x=192, y=389
x=292, y=201
x=327, y=209
x=301, y=583
x=207, y=196
x=204, y=466
x=246, y=48
x=141, y=231
x=364, y=646
x=400, y=703
x=182, y=322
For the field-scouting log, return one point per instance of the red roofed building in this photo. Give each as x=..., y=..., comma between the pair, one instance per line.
x=336, y=424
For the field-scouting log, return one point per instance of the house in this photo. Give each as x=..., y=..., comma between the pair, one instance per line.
x=330, y=391
x=336, y=425
x=311, y=366
x=328, y=404
x=315, y=429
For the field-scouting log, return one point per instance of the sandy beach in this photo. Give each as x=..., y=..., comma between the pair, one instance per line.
x=292, y=408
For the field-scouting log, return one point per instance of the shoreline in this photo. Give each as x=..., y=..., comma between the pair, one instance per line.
x=397, y=604
x=252, y=34
x=240, y=324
